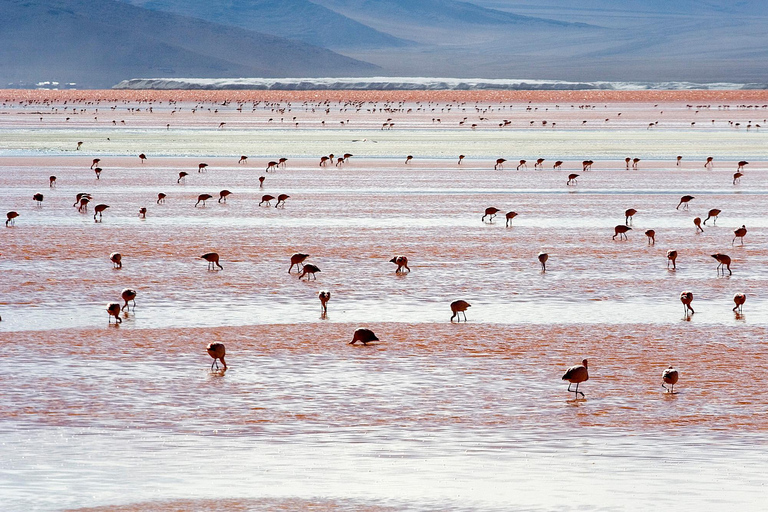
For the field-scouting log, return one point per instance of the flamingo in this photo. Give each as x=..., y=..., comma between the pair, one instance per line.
x=490, y=211
x=459, y=306
x=461, y=157
x=401, y=262
x=672, y=256
x=651, y=234
x=576, y=375
x=309, y=269
x=117, y=260
x=201, y=167
x=281, y=162
x=339, y=161
x=558, y=164
x=684, y=201
x=261, y=181
x=182, y=176
x=78, y=145
x=510, y=216
x=709, y=163
x=113, y=310
x=297, y=259
x=686, y=298
x=621, y=230
x=737, y=177
x=741, y=165
x=346, y=159
x=161, y=198
x=499, y=163
x=213, y=260
x=739, y=299
x=128, y=295
x=243, y=160
x=324, y=297
x=678, y=160
x=572, y=179
x=266, y=198
x=98, y=172
x=38, y=198
x=724, y=261
x=627, y=160
x=539, y=163
x=142, y=157
x=697, y=222
x=223, y=195
x=543, y=257
x=739, y=233
x=281, y=200
x=51, y=181
x=271, y=165
x=10, y=218
x=98, y=210
x=628, y=214
x=586, y=165
x=95, y=161
x=635, y=161
x=324, y=161
x=713, y=213
x=143, y=213
x=408, y=158
x=217, y=351
x=522, y=164
x=202, y=198
x=364, y=336
x=670, y=376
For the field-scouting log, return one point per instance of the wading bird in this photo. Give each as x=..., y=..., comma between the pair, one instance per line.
x=670, y=376
x=671, y=256
x=113, y=310
x=364, y=336
x=281, y=200
x=213, y=260
x=128, y=295
x=543, y=257
x=309, y=270
x=628, y=215
x=459, y=306
x=684, y=202
x=490, y=212
x=217, y=351
x=572, y=179
x=621, y=230
x=401, y=262
x=161, y=198
x=117, y=260
x=499, y=163
x=723, y=262
x=324, y=297
x=697, y=223
x=739, y=299
x=713, y=213
x=266, y=198
x=223, y=195
x=739, y=233
x=686, y=298
x=509, y=216
x=202, y=198
x=98, y=210
x=651, y=234
x=297, y=259
x=576, y=375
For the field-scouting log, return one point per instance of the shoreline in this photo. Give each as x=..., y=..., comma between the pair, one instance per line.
x=494, y=96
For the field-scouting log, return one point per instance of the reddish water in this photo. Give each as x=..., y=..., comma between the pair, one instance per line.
x=437, y=415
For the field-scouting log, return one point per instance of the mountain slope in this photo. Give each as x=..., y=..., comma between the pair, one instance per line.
x=97, y=43
x=301, y=20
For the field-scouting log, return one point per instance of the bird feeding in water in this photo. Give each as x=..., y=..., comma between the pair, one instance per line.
x=128, y=295
x=684, y=202
x=671, y=256
x=324, y=297
x=739, y=233
x=309, y=270
x=490, y=213
x=509, y=216
x=543, y=257
x=620, y=230
x=739, y=299
x=713, y=213
x=651, y=234
x=202, y=198
x=670, y=376
x=117, y=260
x=297, y=259
x=572, y=179
x=686, y=298
x=576, y=375
x=724, y=262
x=459, y=306
x=364, y=336
x=217, y=351
x=98, y=210
x=401, y=262
x=213, y=260
x=113, y=310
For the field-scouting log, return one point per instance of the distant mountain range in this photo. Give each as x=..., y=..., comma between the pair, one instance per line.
x=97, y=43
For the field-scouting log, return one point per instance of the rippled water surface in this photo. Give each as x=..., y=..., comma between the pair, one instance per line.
x=436, y=415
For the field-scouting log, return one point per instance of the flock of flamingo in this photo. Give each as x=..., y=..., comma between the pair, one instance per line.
x=575, y=375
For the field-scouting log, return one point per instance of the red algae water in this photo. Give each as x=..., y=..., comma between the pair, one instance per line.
x=436, y=415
